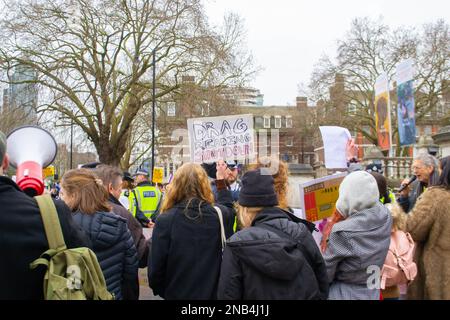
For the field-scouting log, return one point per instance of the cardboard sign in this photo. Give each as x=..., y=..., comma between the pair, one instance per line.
x=319, y=196
x=227, y=138
x=158, y=175
x=48, y=172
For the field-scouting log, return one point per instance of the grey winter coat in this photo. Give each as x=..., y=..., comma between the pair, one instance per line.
x=357, y=247
x=113, y=245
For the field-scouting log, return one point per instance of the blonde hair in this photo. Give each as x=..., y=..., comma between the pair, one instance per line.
x=398, y=216
x=246, y=215
x=86, y=190
x=190, y=181
x=280, y=173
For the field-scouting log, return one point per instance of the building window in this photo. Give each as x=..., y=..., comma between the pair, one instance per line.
x=277, y=122
x=266, y=121
x=171, y=110
x=289, y=141
x=307, y=159
x=288, y=121
x=258, y=122
x=428, y=130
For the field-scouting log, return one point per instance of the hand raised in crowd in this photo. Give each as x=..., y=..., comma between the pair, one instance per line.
x=351, y=150
x=222, y=170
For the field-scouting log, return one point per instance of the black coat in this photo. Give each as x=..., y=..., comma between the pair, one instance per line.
x=407, y=203
x=114, y=247
x=261, y=264
x=186, y=252
x=23, y=239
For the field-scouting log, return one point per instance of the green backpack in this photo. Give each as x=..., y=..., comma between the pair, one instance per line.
x=72, y=274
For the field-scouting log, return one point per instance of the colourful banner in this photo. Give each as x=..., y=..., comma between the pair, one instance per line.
x=405, y=103
x=382, y=112
x=319, y=196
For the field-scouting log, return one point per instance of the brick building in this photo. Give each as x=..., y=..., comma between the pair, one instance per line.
x=290, y=122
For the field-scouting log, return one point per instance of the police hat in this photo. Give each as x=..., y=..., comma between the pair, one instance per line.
x=127, y=176
x=141, y=172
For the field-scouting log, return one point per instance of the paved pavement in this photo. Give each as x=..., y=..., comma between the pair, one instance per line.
x=145, y=292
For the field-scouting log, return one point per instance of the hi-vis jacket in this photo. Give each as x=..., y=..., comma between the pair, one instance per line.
x=147, y=198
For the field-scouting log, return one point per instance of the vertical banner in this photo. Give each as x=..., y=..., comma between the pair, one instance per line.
x=405, y=103
x=382, y=112
x=226, y=137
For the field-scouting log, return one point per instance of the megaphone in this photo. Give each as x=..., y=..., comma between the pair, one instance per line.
x=31, y=148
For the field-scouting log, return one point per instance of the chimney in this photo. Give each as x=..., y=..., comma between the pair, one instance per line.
x=302, y=102
x=339, y=78
x=188, y=79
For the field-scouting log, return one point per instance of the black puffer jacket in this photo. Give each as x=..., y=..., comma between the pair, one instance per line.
x=114, y=247
x=23, y=239
x=186, y=252
x=261, y=264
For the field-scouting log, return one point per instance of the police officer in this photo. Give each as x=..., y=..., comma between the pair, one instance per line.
x=126, y=197
x=147, y=199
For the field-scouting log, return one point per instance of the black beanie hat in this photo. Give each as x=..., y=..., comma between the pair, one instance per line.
x=257, y=190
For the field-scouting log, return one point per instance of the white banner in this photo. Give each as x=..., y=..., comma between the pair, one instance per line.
x=334, y=143
x=405, y=71
x=225, y=137
x=381, y=84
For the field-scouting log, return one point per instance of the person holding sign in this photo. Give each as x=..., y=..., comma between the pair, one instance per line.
x=358, y=245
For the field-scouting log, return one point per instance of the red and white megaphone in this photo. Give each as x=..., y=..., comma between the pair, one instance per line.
x=30, y=149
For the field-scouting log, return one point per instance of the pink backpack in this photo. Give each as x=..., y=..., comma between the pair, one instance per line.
x=399, y=267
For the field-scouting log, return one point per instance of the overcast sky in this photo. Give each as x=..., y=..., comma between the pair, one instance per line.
x=287, y=37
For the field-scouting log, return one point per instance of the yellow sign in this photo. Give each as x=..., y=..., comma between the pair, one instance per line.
x=48, y=172
x=158, y=174
x=319, y=196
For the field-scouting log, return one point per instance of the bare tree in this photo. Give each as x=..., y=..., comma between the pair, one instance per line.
x=95, y=58
x=369, y=49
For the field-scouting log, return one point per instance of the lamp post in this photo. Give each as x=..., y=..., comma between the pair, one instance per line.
x=71, y=144
x=153, y=111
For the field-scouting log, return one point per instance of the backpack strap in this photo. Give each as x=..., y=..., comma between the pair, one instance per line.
x=52, y=226
x=222, y=229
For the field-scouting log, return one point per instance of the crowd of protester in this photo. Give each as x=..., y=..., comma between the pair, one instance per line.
x=226, y=231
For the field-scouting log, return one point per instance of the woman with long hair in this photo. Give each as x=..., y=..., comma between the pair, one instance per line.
x=279, y=171
x=186, y=251
x=272, y=257
x=85, y=195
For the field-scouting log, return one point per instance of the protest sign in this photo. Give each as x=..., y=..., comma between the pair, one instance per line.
x=334, y=144
x=158, y=174
x=319, y=196
x=48, y=172
x=225, y=137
